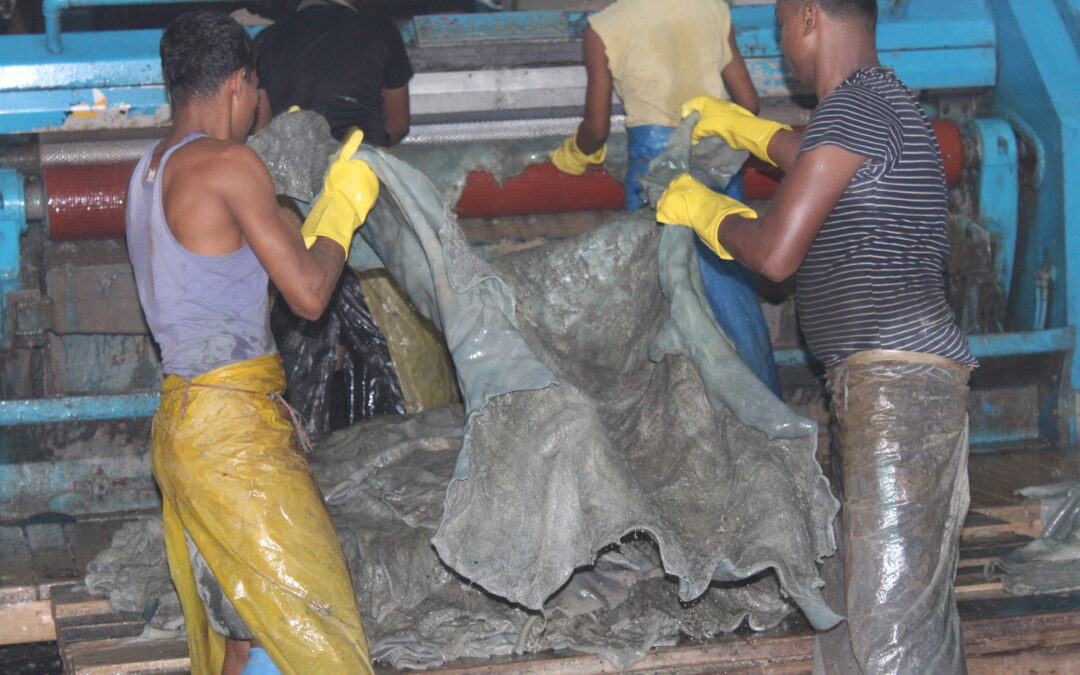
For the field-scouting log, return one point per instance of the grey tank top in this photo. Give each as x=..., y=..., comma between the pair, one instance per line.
x=204, y=311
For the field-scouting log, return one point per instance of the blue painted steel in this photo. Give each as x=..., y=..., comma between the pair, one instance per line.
x=77, y=408
x=1037, y=92
x=925, y=25
x=51, y=109
x=92, y=485
x=932, y=45
x=439, y=30
x=1054, y=340
x=51, y=10
x=999, y=192
x=12, y=226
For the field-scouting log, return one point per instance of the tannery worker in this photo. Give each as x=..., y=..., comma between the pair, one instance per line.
x=657, y=56
x=261, y=576
x=347, y=64
x=860, y=219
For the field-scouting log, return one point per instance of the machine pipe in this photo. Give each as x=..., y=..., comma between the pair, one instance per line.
x=51, y=10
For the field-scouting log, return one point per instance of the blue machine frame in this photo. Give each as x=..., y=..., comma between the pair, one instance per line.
x=46, y=79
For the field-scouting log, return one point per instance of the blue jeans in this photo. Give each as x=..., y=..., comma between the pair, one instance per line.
x=730, y=288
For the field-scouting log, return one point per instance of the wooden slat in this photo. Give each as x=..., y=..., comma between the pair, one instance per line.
x=26, y=622
x=1000, y=523
x=72, y=605
x=123, y=656
x=16, y=566
x=119, y=626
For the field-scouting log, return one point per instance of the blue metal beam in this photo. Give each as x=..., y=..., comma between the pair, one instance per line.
x=77, y=408
x=999, y=192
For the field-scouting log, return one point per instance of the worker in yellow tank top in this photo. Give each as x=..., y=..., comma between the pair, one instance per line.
x=657, y=56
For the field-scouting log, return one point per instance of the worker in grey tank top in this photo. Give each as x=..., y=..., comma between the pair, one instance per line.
x=860, y=219
x=261, y=576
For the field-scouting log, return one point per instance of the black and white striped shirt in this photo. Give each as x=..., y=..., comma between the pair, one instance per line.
x=874, y=275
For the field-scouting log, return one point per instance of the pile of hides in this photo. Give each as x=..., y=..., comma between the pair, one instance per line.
x=1051, y=563
x=616, y=477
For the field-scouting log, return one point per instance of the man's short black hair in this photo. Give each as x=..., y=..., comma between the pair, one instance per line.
x=865, y=10
x=199, y=51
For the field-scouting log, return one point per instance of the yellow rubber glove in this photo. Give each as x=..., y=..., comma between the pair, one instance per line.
x=569, y=158
x=742, y=129
x=688, y=202
x=349, y=191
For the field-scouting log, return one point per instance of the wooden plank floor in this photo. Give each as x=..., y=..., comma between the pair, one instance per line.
x=1004, y=634
x=38, y=554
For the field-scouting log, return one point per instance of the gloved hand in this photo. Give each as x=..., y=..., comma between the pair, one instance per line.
x=569, y=158
x=349, y=191
x=742, y=129
x=688, y=202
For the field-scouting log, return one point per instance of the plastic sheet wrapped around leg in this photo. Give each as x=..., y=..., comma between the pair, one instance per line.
x=231, y=477
x=903, y=444
x=601, y=398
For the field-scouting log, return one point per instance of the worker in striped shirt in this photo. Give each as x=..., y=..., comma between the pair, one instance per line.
x=860, y=220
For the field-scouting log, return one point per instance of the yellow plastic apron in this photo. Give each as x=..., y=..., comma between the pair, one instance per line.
x=226, y=461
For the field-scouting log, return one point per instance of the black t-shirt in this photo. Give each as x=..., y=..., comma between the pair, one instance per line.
x=336, y=61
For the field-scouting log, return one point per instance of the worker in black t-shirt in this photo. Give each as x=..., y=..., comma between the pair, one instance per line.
x=346, y=64
x=350, y=66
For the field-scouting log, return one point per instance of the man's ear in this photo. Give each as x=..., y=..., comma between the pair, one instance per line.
x=809, y=14
x=234, y=82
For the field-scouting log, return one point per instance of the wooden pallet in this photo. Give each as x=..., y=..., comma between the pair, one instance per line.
x=35, y=557
x=1003, y=634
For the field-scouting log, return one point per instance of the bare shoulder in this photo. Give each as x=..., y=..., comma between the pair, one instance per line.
x=214, y=160
x=212, y=189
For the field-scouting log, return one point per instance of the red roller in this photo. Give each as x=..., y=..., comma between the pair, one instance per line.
x=762, y=179
x=541, y=188
x=87, y=201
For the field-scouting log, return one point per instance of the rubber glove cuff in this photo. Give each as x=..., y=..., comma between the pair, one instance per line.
x=688, y=202
x=349, y=191
x=742, y=129
x=569, y=158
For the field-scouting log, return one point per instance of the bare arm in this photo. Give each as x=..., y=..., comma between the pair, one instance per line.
x=396, y=113
x=784, y=148
x=305, y=277
x=737, y=79
x=776, y=244
x=594, y=128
